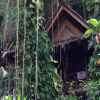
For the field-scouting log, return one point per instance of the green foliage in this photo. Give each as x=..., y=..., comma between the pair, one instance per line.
x=93, y=22
x=67, y=98
x=88, y=8
x=93, y=84
x=93, y=89
x=91, y=7
x=12, y=97
x=93, y=29
x=91, y=33
x=93, y=67
x=49, y=83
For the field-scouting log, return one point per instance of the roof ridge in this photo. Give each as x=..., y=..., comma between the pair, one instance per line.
x=70, y=11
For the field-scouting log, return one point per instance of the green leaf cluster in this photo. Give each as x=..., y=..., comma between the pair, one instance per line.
x=94, y=28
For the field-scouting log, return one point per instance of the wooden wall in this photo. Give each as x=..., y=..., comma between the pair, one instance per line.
x=65, y=31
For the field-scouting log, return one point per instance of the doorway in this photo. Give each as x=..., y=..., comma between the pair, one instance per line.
x=72, y=59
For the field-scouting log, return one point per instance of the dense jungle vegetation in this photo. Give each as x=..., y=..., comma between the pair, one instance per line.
x=49, y=84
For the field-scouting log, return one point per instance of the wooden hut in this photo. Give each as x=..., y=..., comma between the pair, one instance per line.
x=66, y=28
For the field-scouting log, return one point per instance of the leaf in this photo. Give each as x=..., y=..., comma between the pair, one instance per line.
x=52, y=60
x=88, y=33
x=8, y=97
x=98, y=54
x=93, y=22
x=98, y=26
x=18, y=97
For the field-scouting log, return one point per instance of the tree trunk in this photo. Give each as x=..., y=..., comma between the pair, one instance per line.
x=96, y=8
